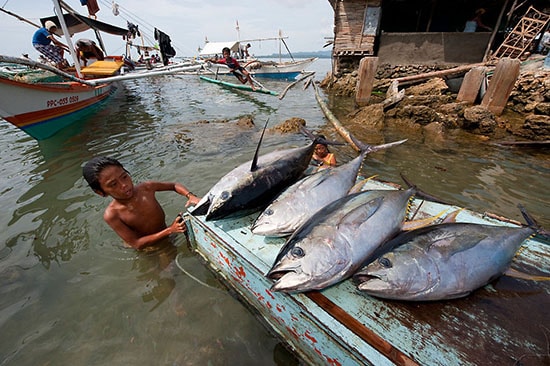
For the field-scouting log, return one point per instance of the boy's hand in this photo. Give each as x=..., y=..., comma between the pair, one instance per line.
x=178, y=226
x=192, y=200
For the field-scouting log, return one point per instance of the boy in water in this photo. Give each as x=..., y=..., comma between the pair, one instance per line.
x=134, y=213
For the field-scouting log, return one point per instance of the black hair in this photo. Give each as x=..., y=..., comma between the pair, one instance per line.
x=323, y=142
x=94, y=167
x=226, y=49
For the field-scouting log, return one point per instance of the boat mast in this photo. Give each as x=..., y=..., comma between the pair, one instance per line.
x=67, y=36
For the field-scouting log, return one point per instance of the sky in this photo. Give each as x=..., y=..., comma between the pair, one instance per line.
x=306, y=23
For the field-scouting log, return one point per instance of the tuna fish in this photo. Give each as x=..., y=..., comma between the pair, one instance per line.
x=441, y=262
x=300, y=201
x=338, y=239
x=254, y=184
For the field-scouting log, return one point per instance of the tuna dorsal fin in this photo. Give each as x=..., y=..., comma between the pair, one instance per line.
x=254, y=165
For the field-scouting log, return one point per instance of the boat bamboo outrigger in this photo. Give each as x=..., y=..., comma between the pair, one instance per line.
x=42, y=107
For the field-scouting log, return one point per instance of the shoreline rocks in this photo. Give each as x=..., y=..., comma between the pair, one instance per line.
x=433, y=102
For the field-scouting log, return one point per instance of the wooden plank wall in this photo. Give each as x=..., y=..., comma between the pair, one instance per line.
x=348, y=25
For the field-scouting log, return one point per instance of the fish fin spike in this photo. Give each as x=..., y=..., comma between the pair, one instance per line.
x=254, y=165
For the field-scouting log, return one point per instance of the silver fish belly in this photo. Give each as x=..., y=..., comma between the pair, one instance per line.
x=441, y=262
x=338, y=239
x=296, y=204
x=244, y=189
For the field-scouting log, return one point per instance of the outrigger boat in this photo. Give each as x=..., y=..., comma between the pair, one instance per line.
x=259, y=89
x=502, y=323
x=281, y=70
x=43, y=106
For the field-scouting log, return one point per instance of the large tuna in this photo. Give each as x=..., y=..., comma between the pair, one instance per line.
x=442, y=262
x=300, y=201
x=254, y=184
x=338, y=239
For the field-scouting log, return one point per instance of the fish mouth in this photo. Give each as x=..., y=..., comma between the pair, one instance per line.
x=361, y=278
x=277, y=274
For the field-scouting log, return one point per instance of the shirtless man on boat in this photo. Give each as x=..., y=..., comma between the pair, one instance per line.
x=134, y=213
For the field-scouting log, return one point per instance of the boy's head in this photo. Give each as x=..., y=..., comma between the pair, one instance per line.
x=94, y=167
x=226, y=52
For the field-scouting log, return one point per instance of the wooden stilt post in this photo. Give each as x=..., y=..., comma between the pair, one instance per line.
x=367, y=72
x=501, y=85
x=469, y=89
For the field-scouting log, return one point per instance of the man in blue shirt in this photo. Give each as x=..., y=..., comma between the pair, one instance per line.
x=44, y=42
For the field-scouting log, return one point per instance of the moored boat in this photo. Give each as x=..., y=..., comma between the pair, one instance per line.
x=42, y=105
x=498, y=324
x=283, y=70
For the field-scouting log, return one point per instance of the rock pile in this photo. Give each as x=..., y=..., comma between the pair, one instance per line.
x=432, y=104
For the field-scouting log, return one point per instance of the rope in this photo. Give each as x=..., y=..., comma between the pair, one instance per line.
x=176, y=260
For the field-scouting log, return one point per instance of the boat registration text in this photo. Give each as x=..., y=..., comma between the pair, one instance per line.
x=62, y=101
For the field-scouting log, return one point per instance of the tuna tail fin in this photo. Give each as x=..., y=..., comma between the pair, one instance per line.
x=366, y=148
x=532, y=223
x=254, y=165
x=422, y=194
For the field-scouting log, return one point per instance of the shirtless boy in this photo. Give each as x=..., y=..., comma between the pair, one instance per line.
x=134, y=213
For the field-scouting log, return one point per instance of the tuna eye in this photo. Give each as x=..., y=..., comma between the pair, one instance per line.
x=224, y=195
x=297, y=252
x=268, y=212
x=385, y=262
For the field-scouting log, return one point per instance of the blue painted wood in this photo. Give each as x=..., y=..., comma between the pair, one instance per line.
x=495, y=325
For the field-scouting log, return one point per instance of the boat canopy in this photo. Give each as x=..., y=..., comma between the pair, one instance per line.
x=212, y=48
x=77, y=23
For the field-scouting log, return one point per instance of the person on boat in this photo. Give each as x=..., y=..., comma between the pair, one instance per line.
x=243, y=50
x=45, y=42
x=134, y=213
x=87, y=49
x=234, y=67
x=322, y=157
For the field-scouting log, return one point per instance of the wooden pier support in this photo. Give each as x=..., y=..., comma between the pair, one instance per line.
x=469, y=90
x=501, y=85
x=367, y=72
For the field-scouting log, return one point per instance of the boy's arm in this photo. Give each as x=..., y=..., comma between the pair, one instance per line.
x=133, y=239
x=178, y=188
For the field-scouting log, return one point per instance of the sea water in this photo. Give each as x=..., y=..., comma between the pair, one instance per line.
x=71, y=293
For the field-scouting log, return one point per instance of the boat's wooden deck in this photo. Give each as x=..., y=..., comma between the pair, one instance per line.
x=504, y=323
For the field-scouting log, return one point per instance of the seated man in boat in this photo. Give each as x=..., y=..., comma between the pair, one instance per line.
x=234, y=67
x=45, y=42
x=134, y=213
x=87, y=49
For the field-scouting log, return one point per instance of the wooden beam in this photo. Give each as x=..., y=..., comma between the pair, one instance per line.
x=367, y=72
x=469, y=90
x=501, y=85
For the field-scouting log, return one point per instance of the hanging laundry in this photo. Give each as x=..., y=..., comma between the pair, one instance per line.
x=93, y=8
x=133, y=30
x=115, y=9
x=166, y=49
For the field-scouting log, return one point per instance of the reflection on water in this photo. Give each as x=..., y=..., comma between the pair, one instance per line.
x=70, y=292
